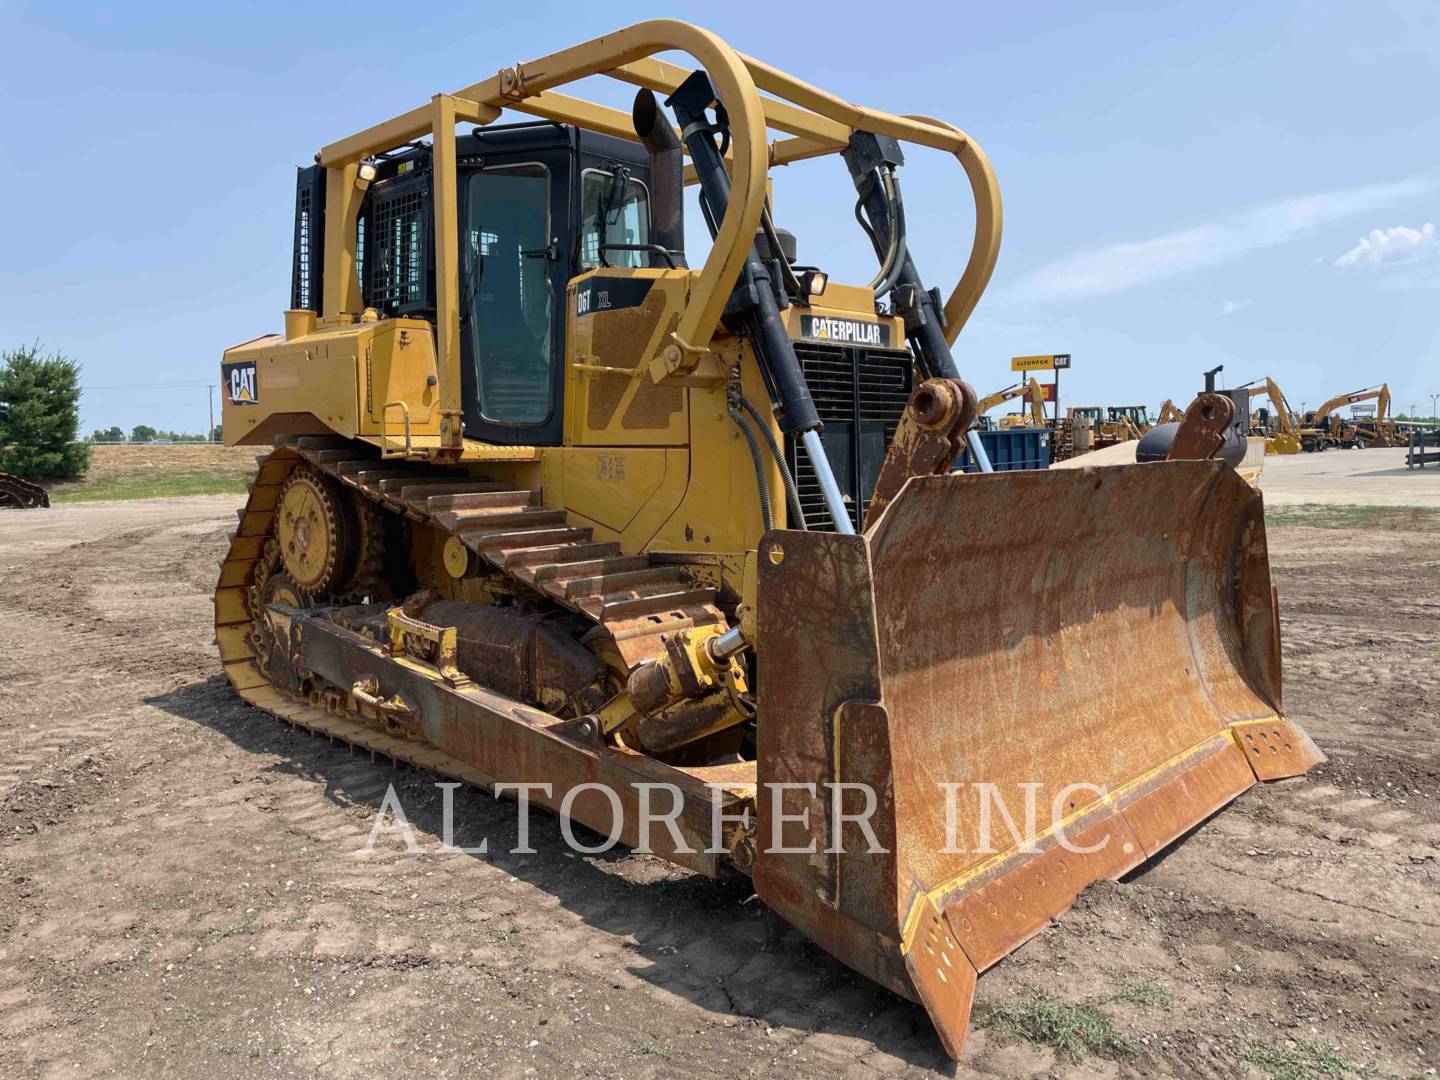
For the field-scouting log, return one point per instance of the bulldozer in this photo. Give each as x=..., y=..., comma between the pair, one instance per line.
x=1133, y=418
x=542, y=506
x=1109, y=425
x=17, y=493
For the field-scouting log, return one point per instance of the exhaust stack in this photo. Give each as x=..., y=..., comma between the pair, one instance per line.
x=667, y=186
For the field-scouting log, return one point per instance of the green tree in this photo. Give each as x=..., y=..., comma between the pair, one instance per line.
x=216, y=435
x=40, y=415
x=114, y=433
x=142, y=433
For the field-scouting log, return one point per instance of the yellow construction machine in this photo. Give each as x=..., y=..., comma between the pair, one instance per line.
x=1324, y=427
x=1169, y=413
x=545, y=509
x=1108, y=425
x=1133, y=419
x=1281, y=435
x=1031, y=391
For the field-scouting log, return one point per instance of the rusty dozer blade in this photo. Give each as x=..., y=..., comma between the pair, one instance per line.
x=1099, y=644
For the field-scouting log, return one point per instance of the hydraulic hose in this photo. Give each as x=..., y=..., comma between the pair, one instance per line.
x=754, y=300
x=787, y=478
x=924, y=316
x=767, y=515
x=892, y=251
x=790, y=284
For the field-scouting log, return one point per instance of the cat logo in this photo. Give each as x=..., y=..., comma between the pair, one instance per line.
x=240, y=383
x=844, y=331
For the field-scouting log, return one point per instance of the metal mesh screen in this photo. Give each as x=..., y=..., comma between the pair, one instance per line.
x=395, y=238
x=301, y=286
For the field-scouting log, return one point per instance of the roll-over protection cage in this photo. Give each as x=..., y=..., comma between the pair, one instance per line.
x=816, y=123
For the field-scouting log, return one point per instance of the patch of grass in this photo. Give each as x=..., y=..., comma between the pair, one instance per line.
x=1037, y=1016
x=1305, y=1061
x=1146, y=995
x=651, y=1050
x=1348, y=516
x=149, y=485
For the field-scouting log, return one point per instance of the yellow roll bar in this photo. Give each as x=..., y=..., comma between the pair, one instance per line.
x=818, y=123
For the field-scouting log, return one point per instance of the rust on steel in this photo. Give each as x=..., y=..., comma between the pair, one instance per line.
x=1015, y=667
x=1202, y=430
x=17, y=493
x=928, y=439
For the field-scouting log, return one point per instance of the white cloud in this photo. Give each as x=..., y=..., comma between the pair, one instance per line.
x=1401, y=244
x=1122, y=266
x=1230, y=307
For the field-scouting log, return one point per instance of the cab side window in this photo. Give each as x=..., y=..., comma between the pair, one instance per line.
x=627, y=223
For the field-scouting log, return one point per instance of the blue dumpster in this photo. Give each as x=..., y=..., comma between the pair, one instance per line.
x=1011, y=449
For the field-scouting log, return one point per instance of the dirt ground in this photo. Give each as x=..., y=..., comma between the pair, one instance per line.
x=183, y=890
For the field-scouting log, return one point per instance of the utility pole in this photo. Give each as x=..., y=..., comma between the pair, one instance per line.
x=210, y=431
x=1433, y=398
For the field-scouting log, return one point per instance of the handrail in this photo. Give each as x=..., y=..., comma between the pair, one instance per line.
x=819, y=123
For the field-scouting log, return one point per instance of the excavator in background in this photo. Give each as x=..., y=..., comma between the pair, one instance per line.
x=1031, y=391
x=17, y=493
x=1280, y=433
x=1169, y=414
x=1323, y=427
x=542, y=508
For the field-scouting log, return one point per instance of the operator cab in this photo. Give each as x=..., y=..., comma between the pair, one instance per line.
x=1136, y=414
x=531, y=199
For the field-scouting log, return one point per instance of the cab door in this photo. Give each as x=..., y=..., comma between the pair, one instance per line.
x=513, y=272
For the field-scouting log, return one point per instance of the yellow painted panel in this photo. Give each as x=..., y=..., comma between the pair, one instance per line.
x=720, y=513
x=342, y=374
x=610, y=485
x=400, y=366
x=617, y=322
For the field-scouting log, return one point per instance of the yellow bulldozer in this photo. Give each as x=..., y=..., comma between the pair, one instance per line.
x=545, y=509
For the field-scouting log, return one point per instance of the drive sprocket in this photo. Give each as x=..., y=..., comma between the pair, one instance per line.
x=316, y=531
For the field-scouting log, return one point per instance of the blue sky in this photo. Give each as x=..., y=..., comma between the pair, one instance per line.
x=1251, y=184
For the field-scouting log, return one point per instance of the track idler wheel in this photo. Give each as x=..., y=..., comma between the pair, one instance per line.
x=316, y=530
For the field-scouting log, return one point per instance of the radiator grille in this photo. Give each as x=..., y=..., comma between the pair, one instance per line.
x=396, y=236
x=860, y=395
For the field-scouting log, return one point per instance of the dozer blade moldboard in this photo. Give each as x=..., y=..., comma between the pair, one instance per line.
x=1102, y=641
